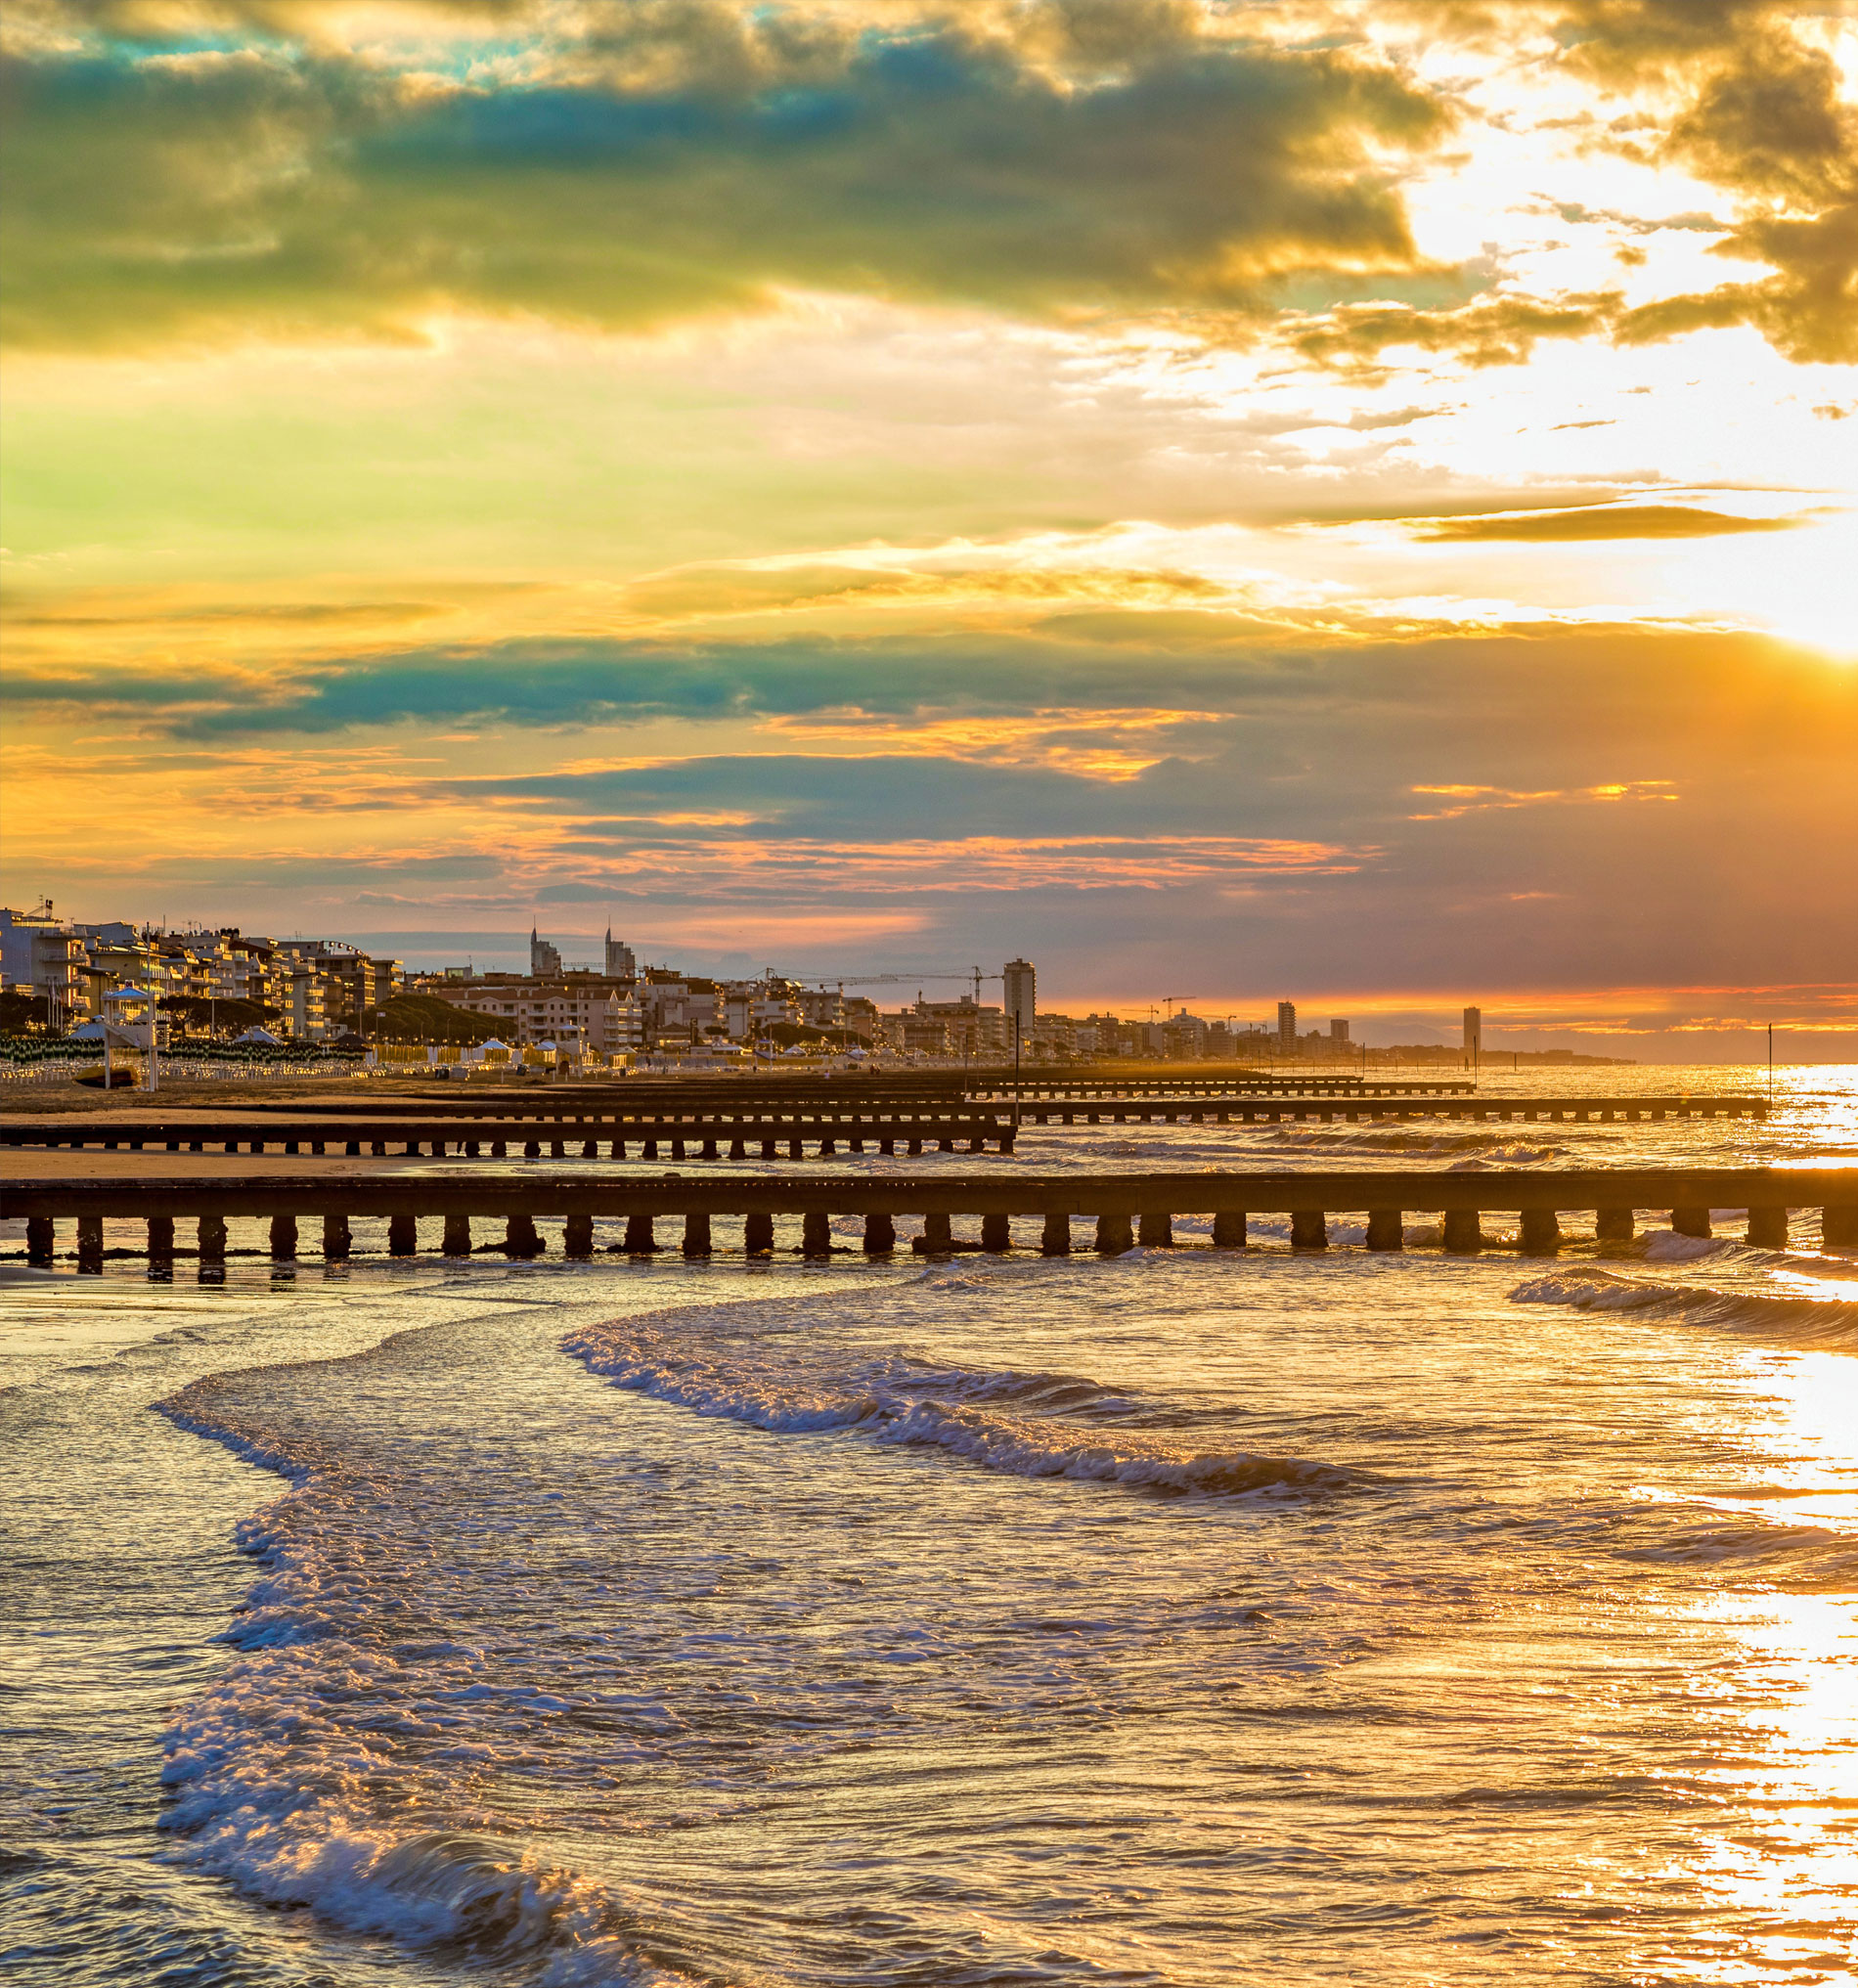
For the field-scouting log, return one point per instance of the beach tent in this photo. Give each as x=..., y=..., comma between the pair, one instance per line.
x=263, y=1036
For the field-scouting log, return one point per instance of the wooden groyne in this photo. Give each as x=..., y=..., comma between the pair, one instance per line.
x=1368, y=1105
x=484, y=1129
x=494, y=1135
x=1129, y=1210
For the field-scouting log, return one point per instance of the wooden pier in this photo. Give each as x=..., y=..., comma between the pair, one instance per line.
x=1366, y=1106
x=556, y=1129
x=1129, y=1210
x=491, y=1134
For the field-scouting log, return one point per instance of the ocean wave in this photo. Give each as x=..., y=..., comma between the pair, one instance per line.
x=1003, y=1419
x=1814, y=1321
x=1803, y=1559
x=327, y=1769
x=1494, y=1143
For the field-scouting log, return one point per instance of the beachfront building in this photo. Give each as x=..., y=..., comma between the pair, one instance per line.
x=42, y=955
x=577, y=1013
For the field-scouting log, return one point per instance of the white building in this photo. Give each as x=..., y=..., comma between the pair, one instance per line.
x=41, y=954
x=1022, y=1005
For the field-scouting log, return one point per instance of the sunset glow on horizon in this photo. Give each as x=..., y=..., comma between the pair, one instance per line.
x=1262, y=499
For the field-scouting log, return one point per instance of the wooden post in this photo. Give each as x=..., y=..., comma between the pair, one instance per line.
x=212, y=1239
x=284, y=1239
x=696, y=1235
x=828, y=1148
x=1615, y=1224
x=638, y=1237
x=1228, y=1228
x=458, y=1235
x=1464, y=1231
x=403, y=1235
x=1767, y=1228
x=815, y=1234
x=1308, y=1229
x=997, y=1234
x=737, y=1149
x=1054, y=1239
x=1156, y=1232
x=758, y=1235
x=1387, y=1229
x=938, y=1234
x=1689, y=1221
x=162, y=1242
x=1114, y=1235
x=520, y=1238
x=40, y=1240
x=1542, y=1232
x=577, y=1237
x=90, y=1245
x=336, y=1239
x=880, y=1235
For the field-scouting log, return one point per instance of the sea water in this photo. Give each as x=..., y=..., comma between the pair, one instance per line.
x=1187, y=1618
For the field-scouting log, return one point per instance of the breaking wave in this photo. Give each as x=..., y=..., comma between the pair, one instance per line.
x=1504, y=1145
x=1811, y=1321
x=328, y=1769
x=1001, y=1420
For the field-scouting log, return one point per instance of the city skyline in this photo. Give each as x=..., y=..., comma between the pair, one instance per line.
x=473, y=462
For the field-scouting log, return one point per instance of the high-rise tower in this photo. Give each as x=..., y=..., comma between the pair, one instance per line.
x=1022, y=1005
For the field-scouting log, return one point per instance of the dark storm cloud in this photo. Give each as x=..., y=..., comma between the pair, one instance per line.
x=677, y=160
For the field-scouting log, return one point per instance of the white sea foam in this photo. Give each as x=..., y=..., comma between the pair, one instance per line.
x=1808, y=1320
x=1003, y=1419
x=327, y=1770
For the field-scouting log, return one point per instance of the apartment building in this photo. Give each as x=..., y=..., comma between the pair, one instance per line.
x=577, y=1011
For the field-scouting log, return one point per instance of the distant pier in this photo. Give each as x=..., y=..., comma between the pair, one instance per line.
x=554, y=1130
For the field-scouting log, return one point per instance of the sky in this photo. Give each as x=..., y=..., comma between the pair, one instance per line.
x=1348, y=503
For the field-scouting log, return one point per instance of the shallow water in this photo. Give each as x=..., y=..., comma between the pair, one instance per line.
x=1188, y=1618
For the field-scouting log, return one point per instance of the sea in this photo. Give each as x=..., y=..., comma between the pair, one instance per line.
x=1183, y=1618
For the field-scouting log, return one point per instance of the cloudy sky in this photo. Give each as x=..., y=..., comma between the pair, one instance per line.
x=1350, y=502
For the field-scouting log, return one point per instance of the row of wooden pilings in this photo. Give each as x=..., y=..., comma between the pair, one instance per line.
x=1461, y=1232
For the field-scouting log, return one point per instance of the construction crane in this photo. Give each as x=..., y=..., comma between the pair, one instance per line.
x=843, y=981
